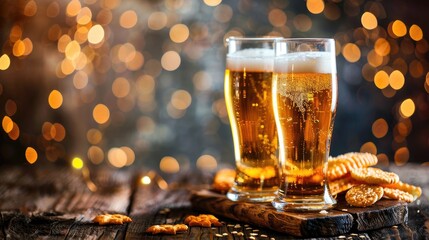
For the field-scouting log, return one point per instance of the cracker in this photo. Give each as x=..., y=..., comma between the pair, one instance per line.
x=202, y=220
x=336, y=169
x=343, y=164
x=105, y=219
x=223, y=180
x=362, y=160
x=398, y=194
x=364, y=195
x=374, y=176
x=167, y=229
x=411, y=189
x=342, y=184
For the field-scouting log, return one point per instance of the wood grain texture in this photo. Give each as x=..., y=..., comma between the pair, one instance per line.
x=338, y=221
x=55, y=203
x=62, y=190
x=384, y=213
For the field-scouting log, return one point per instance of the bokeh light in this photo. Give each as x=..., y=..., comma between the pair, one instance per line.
x=179, y=33
x=212, y=3
x=402, y=156
x=399, y=28
x=145, y=180
x=407, y=108
x=169, y=164
x=31, y=155
x=157, y=20
x=117, y=157
x=121, y=87
x=101, y=113
x=126, y=83
x=369, y=147
x=181, y=99
x=96, y=34
x=4, y=62
x=369, y=21
x=95, y=155
x=73, y=8
x=416, y=33
x=380, y=128
x=315, y=6
x=77, y=163
x=396, y=80
x=382, y=47
x=277, y=17
x=381, y=79
x=206, y=163
x=351, y=52
x=170, y=61
x=55, y=99
x=128, y=19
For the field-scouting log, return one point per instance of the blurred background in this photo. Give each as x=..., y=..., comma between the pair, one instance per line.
x=139, y=83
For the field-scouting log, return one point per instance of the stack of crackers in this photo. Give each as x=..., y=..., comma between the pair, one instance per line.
x=365, y=185
x=354, y=174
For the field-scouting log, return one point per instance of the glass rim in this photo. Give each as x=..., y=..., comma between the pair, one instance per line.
x=257, y=39
x=306, y=39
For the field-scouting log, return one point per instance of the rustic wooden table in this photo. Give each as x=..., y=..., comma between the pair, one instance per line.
x=60, y=203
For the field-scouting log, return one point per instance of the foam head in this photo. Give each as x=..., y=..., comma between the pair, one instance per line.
x=306, y=62
x=254, y=60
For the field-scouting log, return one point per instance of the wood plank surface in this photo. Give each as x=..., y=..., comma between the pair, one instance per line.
x=57, y=203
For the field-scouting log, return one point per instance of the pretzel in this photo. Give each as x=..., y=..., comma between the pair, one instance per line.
x=105, y=219
x=202, y=220
x=167, y=229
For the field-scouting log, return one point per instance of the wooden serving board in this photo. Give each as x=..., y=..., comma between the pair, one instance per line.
x=340, y=220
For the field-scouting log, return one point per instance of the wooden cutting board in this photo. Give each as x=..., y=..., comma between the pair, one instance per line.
x=340, y=220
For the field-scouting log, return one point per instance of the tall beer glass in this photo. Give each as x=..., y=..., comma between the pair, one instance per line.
x=304, y=100
x=248, y=83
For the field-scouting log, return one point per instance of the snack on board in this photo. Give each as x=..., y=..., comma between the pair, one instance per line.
x=411, y=189
x=342, y=184
x=167, y=229
x=202, y=220
x=364, y=195
x=105, y=219
x=398, y=195
x=341, y=165
x=223, y=180
x=374, y=176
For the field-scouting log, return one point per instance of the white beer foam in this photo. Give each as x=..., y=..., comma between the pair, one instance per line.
x=306, y=62
x=253, y=59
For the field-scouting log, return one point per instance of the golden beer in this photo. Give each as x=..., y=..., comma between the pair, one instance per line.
x=304, y=101
x=248, y=96
x=305, y=116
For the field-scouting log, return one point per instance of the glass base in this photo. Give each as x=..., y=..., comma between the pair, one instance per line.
x=251, y=195
x=304, y=203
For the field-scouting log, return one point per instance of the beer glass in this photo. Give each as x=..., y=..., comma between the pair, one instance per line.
x=304, y=100
x=248, y=83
